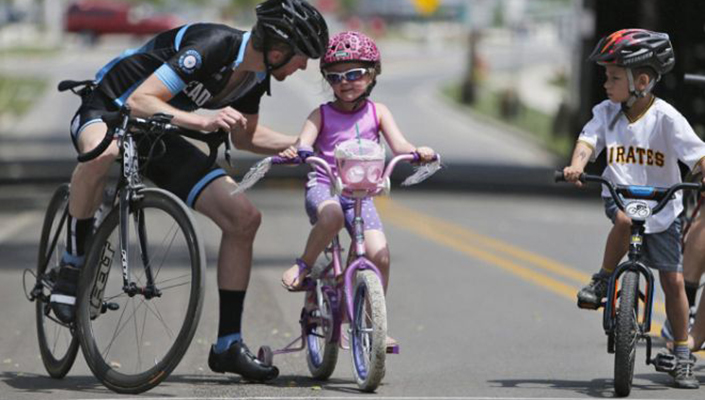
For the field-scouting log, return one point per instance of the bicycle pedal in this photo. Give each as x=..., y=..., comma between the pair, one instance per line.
x=664, y=362
x=590, y=306
x=394, y=349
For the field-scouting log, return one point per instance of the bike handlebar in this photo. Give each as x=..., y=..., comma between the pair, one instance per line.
x=307, y=157
x=661, y=195
x=694, y=79
x=157, y=123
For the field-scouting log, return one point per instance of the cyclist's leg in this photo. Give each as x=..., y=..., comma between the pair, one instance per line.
x=326, y=215
x=616, y=247
x=87, y=182
x=238, y=220
x=698, y=331
x=663, y=252
x=694, y=258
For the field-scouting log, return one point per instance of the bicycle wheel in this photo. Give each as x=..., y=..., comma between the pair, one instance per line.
x=57, y=344
x=133, y=342
x=321, y=350
x=626, y=334
x=368, y=344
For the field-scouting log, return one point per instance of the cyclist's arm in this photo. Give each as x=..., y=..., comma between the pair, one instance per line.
x=581, y=156
x=152, y=97
x=258, y=138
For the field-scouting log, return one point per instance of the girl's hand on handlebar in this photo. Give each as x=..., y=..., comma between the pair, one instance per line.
x=227, y=119
x=290, y=152
x=572, y=174
x=426, y=154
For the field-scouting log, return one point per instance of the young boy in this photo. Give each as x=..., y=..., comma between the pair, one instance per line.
x=644, y=137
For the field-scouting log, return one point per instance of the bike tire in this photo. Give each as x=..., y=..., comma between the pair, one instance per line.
x=58, y=346
x=626, y=334
x=368, y=338
x=100, y=286
x=321, y=349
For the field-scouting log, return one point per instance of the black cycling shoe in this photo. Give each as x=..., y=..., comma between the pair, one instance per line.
x=590, y=297
x=63, y=295
x=239, y=360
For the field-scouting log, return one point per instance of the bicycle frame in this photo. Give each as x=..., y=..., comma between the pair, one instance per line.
x=343, y=278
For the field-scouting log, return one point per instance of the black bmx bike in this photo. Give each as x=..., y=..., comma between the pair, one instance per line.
x=629, y=301
x=142, y=285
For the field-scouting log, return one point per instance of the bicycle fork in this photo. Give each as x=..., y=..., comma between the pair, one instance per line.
x=633, y=265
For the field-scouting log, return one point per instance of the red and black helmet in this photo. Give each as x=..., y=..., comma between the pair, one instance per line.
x=635, y=48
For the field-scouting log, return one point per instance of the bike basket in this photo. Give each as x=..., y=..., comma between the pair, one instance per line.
x=360, y=163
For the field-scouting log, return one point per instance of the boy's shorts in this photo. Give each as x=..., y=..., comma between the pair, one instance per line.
x=320, y=192
x=662, y=250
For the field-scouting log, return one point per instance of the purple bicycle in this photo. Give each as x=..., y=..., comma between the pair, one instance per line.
x=337, y=292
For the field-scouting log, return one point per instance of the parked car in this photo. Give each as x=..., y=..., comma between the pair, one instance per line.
x=98, y=17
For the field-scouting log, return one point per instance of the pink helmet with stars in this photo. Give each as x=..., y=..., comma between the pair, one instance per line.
x=352, y=46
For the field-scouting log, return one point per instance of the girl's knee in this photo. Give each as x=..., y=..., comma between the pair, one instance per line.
x=621, y=221
x=331, y=216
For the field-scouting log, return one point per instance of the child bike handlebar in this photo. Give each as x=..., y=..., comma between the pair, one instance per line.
x=661, y=195
x=307, y=157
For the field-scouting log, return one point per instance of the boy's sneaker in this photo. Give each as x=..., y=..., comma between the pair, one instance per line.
x=683, y=374
x=63, y=295
x=591, y=296
x=667, y=331
x=239, y=360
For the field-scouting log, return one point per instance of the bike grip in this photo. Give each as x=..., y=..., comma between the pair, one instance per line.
x=558, y=176
x=278, y=160
x=304, y=154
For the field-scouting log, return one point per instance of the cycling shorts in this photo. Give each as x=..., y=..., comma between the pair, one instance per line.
x=170, y=162
x=662, y=250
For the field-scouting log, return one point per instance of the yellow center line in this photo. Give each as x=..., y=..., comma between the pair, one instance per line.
x=474, y=244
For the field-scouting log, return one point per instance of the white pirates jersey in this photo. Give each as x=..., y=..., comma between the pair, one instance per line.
x=645, y=151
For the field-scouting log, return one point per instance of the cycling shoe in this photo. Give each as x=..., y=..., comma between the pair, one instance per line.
x=239, y=360
x=63, y=295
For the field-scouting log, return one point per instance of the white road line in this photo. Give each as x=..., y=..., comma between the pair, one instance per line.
x=16, y=224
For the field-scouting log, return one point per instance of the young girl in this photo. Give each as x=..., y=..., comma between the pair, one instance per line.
x=351, y=65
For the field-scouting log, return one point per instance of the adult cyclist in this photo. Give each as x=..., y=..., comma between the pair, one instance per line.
x=196, y=66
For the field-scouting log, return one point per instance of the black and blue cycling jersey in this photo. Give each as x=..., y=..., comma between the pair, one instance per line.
x=195, y=62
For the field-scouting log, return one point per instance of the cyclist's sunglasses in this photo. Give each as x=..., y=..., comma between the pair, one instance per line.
x=350, y=75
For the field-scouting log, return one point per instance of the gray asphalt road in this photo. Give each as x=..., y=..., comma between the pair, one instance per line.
x=481, y=299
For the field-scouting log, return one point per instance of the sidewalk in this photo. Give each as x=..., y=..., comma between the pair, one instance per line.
x=479, y=154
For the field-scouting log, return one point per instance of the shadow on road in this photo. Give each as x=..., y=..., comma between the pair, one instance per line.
x=594, y=388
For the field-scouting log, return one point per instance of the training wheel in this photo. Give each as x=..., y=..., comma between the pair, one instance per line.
x=265, y=355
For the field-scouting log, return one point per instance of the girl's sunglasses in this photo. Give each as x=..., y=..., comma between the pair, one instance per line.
x=350, y=75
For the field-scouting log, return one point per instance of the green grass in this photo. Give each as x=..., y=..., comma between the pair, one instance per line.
x=25, y=51
x=18, y=94
x=532, y=121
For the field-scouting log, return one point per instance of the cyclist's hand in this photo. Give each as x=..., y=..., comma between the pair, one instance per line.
x=426, y=154
x=227, y=119
x=572, y=174
x=291, y=152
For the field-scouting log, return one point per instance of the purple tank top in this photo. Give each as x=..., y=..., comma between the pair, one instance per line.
x=338, y=126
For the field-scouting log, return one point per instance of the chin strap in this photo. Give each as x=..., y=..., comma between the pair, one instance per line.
x=269, y=67
x=635, y=94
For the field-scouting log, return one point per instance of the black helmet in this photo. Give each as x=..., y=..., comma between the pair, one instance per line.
x=295, y=22
x=635, y=48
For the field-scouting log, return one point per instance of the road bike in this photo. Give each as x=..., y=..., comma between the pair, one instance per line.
x=142, y=285
x=337, y=292
x=629, y=301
